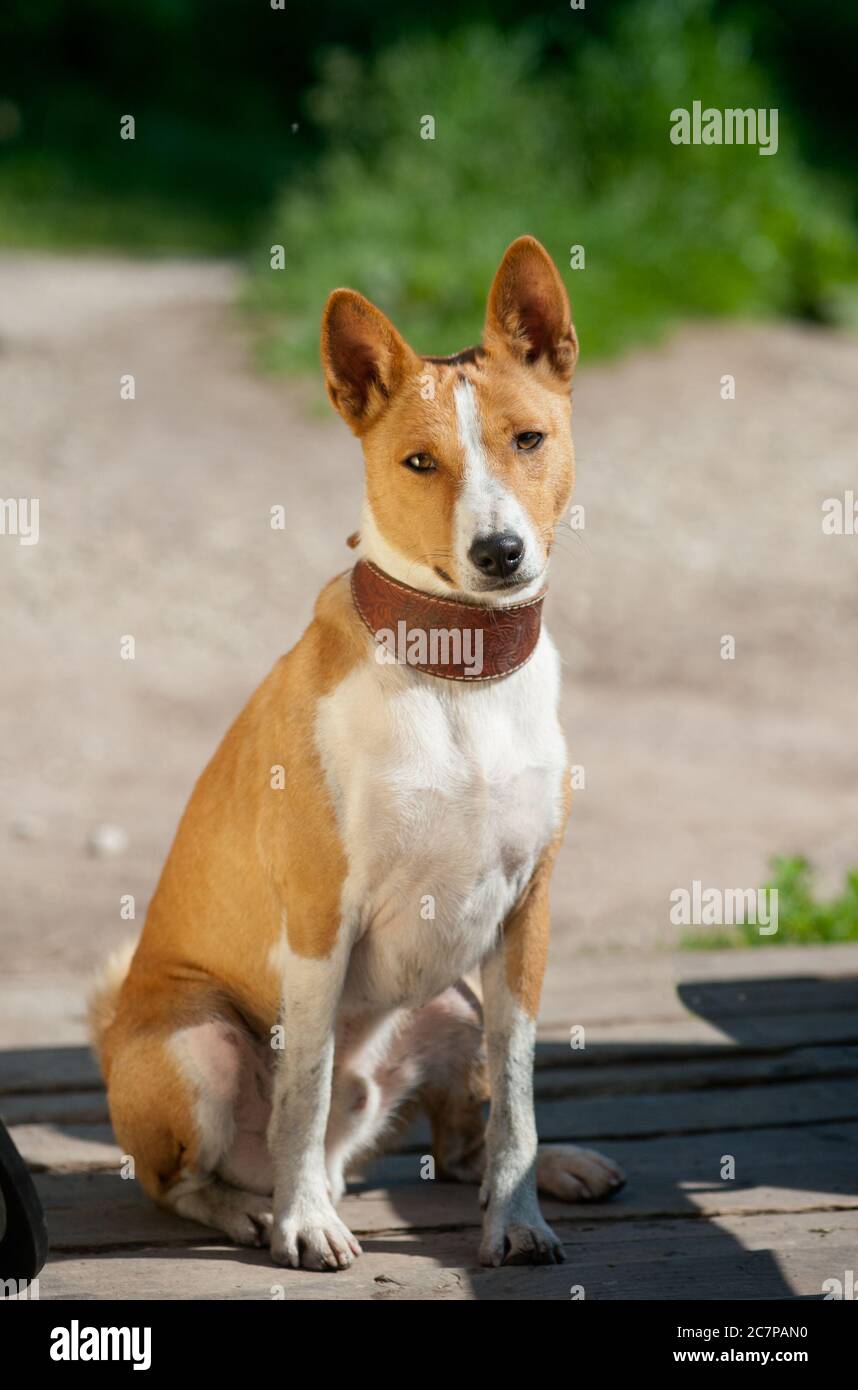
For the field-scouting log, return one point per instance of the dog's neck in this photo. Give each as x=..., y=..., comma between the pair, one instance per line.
x=441, y=636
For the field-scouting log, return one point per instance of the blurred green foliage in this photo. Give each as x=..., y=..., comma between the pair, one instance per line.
x=301, y=126
x=204, y=81
x=803, y=920
x=576, y=154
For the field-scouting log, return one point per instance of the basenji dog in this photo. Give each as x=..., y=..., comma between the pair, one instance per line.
x=378, y=825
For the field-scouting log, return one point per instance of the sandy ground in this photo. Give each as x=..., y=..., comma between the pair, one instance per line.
x=702, y=519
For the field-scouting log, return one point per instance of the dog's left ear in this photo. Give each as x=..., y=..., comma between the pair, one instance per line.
x=528, y=310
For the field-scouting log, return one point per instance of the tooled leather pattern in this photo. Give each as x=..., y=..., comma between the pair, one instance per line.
x=509, y=635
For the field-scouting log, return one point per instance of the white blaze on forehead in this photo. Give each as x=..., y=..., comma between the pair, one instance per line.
x=484, y=505
x=470, y=430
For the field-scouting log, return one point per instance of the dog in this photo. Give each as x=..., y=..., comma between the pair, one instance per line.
x=377, y=827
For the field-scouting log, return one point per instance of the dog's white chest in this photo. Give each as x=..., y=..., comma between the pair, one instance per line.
x=446, y=795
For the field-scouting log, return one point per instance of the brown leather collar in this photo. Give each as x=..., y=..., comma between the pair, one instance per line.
x=441, y=636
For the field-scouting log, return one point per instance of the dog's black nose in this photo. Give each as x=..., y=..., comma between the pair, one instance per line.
x=498, y=555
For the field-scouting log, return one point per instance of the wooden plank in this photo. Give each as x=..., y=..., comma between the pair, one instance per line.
x=64, y=1107
x=81, y=1146
x=819, y=962
x=634, y=1050
x=583, y=1119
x=728, y=1069
x=30, y=1070
x=609, y=988
x=736, y=1000
x=686, y=1112
x=594, y=1119
x=776, y=1170
x=67, y=1148
x=746, y=1258
x=695, y=1037
x=78, y=1098
x=748, y=988
x=71, y=1132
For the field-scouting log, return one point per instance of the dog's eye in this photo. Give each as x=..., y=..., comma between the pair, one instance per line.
x=419, y=463
x=528, y=439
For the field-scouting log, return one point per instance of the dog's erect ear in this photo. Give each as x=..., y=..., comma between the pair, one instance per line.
x=529, y=310
x=364, y=358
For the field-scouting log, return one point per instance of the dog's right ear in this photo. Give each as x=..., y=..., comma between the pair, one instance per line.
x=364, y=358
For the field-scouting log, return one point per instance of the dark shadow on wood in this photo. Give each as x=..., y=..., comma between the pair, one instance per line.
x=803, y=1120
x=780, y=1095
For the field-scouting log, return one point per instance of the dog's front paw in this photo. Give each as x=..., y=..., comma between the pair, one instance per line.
x=509, y=1239
x=313, y=1238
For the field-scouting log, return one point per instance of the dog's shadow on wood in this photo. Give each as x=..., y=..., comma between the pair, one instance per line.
x=722, y=1144
x=732, y=1150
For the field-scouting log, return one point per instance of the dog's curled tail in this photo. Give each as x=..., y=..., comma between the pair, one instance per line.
x=104, y=994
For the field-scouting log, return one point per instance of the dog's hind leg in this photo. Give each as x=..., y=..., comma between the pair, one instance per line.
x=244, y=1216
x=387, y=1068
x=372, y=1085
x=447, y=1035
x=429, y=1057
x=434, y=1058
x=189, y=1106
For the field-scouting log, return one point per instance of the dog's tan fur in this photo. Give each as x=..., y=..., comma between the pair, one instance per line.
x=250, y=862
x=215, y=919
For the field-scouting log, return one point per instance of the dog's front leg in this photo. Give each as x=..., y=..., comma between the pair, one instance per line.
x=514, y=1231
x=307, y=1230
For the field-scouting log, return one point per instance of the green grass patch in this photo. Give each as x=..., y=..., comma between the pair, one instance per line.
x=803, y=919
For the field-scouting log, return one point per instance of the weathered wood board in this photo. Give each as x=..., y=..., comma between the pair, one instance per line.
x=691, y=1063
x=749, y=1257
